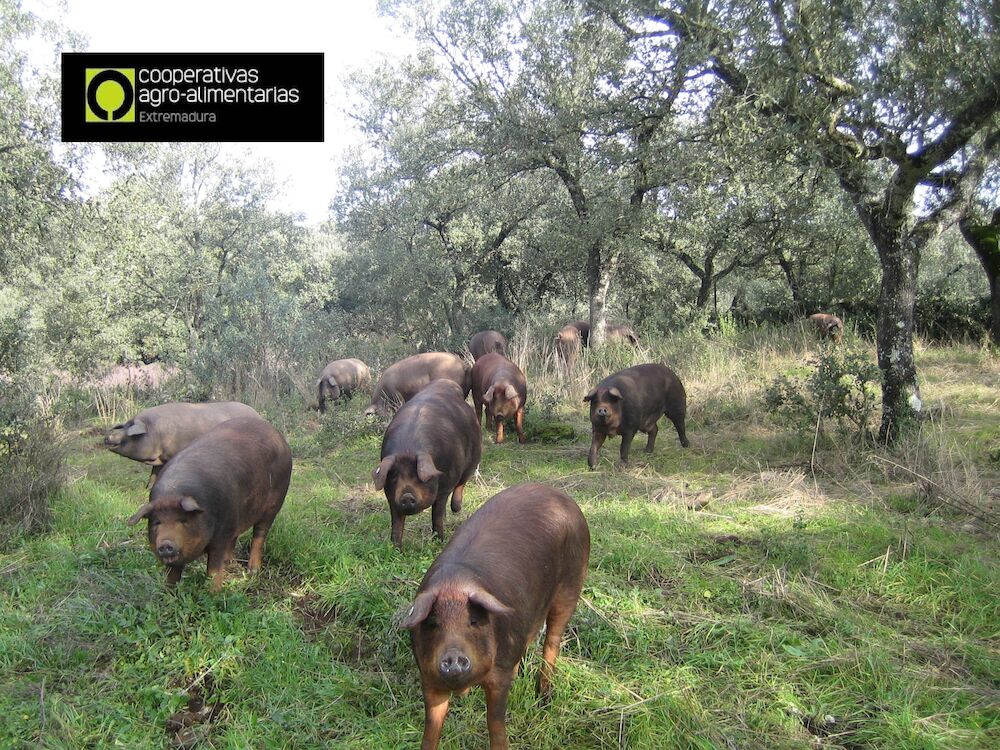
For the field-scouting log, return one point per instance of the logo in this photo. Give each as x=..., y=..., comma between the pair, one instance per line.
x=110, y=94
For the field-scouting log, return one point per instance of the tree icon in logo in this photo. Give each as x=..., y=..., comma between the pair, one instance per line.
x=110, y=94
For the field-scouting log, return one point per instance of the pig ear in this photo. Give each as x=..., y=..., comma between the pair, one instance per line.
x=590, y=396
x=487, y=601
x=138, y=428
x=488, y=396
x=426, y=469
x=140, y=514
x=190, y=505
x=510, y=392
x=332, y=381
x=421, y=608
x=382, y=471
x=615, y=394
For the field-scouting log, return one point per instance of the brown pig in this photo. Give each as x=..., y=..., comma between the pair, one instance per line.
x=340, y=379
x=570, y=339
x=231, y=478
x=155, y=435
x=500, y=386
x=405, y=379
x=518, y=562
x=632, y=400
x=828, y=326
x=485, y=342
x=431, y=449
x=613, y=331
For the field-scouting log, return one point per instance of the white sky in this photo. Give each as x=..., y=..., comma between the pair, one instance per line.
x=350, y=34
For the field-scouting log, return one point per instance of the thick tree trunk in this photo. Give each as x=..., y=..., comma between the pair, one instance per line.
x=894, y=333
x=704, y=290
x=598, y=283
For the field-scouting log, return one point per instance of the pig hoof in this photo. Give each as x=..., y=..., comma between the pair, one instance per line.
x=456, y=505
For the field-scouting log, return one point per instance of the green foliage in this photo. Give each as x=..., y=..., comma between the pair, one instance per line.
x=32, y=462
x=842, y=386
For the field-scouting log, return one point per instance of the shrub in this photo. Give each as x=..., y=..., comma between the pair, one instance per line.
x=32, y=464
x=842, y=387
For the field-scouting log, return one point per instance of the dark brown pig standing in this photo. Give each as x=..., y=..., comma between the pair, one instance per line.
x=632, y=400
x=233, y=477
x=431, y=449
x=828, y=326
x=340, y=379
x=405, y=379
x=486, y=342
x=499, y=386
x=519, y=561
x=155, y=435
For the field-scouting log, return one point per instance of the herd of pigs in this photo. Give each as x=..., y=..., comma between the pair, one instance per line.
x=219, y=469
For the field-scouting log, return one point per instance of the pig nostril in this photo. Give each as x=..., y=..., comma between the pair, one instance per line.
x=455, y=664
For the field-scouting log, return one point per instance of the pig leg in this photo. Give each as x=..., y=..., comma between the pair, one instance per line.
x=456, y=498
x=435, y=709
x=398, y=520
x=499, y=422
x=595, y=445
x=257, y=545
x=479, y=408
x=555, y=625
x=153, y=476
x=626, y=445
x=216, y=568
x=678, y=420
x=519, y=425
x=174, y=574
x=651, y=441
x=437, y=515
x=497, y=691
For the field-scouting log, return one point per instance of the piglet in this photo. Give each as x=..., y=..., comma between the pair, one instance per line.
x=231, y=478
x=518, y=562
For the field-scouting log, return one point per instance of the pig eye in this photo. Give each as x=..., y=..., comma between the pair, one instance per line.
x=154, y=522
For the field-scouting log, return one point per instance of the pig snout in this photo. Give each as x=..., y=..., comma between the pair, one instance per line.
x=408, y=503
x=454, y=665
x=601, y=412
x=167, y=551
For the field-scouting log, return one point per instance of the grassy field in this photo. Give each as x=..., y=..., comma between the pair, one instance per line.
x=751, y=591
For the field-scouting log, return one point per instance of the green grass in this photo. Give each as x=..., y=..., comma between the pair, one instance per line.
x=842, y=610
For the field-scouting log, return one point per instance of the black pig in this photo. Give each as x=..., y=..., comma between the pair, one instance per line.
x=632, y=400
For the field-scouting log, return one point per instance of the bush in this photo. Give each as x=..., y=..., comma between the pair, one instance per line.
x=32, y=464
x=843, y=387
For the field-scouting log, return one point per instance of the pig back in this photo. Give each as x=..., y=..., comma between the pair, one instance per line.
x=238, y=471
x=350, y=374
x=438, y=421
x=522, y=545
x=172, y=427
x=406, y=378
x=486, y=342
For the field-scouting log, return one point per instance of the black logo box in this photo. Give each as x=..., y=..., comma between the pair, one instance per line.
x=234, y=122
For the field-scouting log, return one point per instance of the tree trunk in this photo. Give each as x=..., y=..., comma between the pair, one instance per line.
x=894, y=332
x=793, y=283
x=598, y=283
